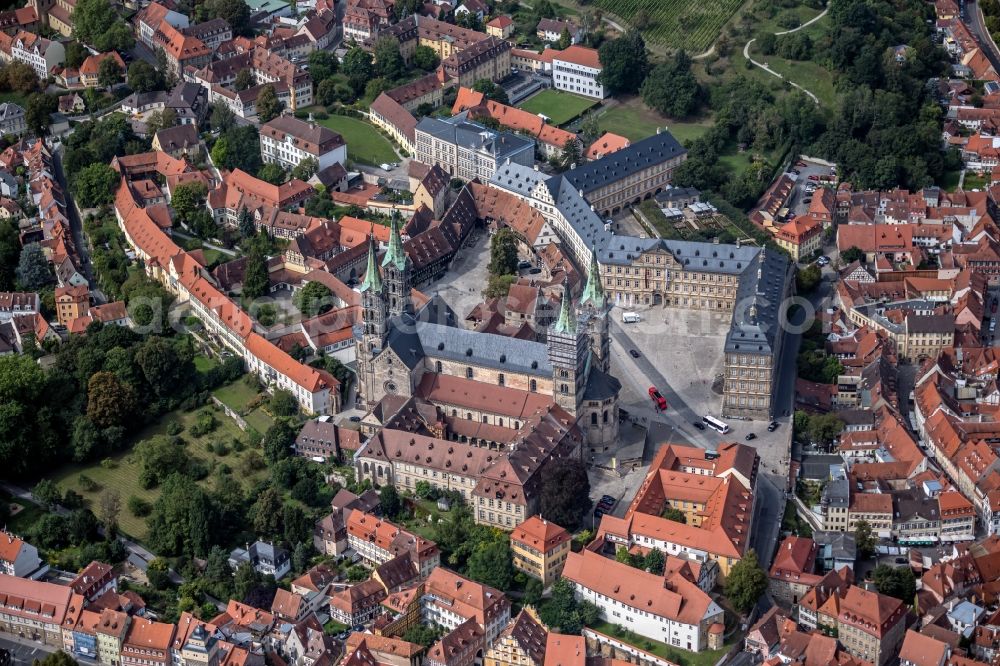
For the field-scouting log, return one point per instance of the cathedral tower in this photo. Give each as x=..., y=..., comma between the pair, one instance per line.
x=593, y=315
x=568, y=348
x=374, y=322
x=396, y=271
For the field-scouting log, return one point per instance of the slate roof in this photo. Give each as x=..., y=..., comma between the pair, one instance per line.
x=625, y=162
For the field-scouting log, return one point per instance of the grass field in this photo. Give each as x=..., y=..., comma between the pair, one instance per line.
x=237, y=395
x=561, y=107
x=689, y=24
x=810, y=75
x=786, y=19
x=364, y=143
x=634, y=121
x=122, y=474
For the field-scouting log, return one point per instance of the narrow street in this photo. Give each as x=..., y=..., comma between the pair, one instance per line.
x=80, y=241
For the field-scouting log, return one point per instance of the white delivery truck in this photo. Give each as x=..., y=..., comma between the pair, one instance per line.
x=631, y=317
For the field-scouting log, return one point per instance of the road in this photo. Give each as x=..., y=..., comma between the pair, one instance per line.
x=763, y=66
x=973, y=18
x=76, y=226
x=770, y=491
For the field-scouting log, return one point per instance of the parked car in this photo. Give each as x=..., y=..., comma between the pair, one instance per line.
x=698, y=424
x=355, y=419
x=535, y=271
x=801, y=163
x=608, y=498
x=814, y=177
x=750, y=437
x=772, y=426
x=633, y=353
x=658, y=399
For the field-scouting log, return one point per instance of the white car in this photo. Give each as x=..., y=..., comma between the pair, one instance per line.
x=385, y=166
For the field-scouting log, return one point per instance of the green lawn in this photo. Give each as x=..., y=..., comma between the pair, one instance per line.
x=674, y=654
x=949, y=182
x=25, y=518
x=810, y=75
x=259, y=420
x=236, y=395
x=561, y=107
x=364, y=142
x=634, y=121
x=16, y=97
x=203, y=363
x=974, y=181
x=122, y=474
x=783, y=20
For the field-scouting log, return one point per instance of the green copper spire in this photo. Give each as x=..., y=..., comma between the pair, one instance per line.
x=567, y=322
x=395, y=255
x=594, y=291
x=373, y=279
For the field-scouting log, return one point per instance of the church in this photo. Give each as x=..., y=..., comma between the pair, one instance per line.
x=397, y=345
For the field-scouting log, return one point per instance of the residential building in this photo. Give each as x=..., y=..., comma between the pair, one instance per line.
x=575, y=69
x=18, y=303
x=91, y=67
x=110, y=635
x=449, y=600
x=501, y=27
x=147, y=643
x=540, y=548
x=37, y=611
x=801, y=237
x=870, y=625
x=522, y=642
x=266, y=558
x=95, y=579
x=39, y=53
x=287, y=141
x=179, y=141
x=12, y=119
x=920, y=650
x=17, y=557
x=791, y=573
x=266, y=68
x=674, y=611
x=400, y=124
x=550, y=30
x=468, y=150
x=323, y=441
x=875, y=509
x=213, y=33
x=377, y=541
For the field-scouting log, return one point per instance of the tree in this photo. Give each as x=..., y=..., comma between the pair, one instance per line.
x=283, y=403
x=305, y=169
x=671, y=88
x=422, y=634
x=109, y=507
x=326, y=90
x=10, y=251
x=565, y=39
x=245, y=580
x=654, y=561
x=898, y=582
x=824, y=428
x=625, y=63
x=313, y=299
x=244, y=79
x=322, y=65
x=389, y=62
x=852, y=254
x=503, y=252
x=425, y=58
x=746, y=582
x=767, y=43
x=47, y=493
x=297, y=525
x=188, y=198
x=491, y=564
x=95, y=185
x=491, y=90
x=498, y=286
x=571, y=154
x=76, y=53
x=272, y=173
x=184, y=519
x=301, y=555
x=21, y=77
x=38, y=110
x=33, y=271
x=808, y=278
x=222, y=117
x=255, y=279
x=388, y=499
x=266, y=513
x=109, y=73
x=545, y=9
x=565, y=492
x=235, y=12
x=674, y=514
x=163, y=365
x=143, y=77
x=91, y=18
x=235, y=149
x=277, y=442
x=109, y=401
x=865, y=538
x=357, y=66
x=58, y=658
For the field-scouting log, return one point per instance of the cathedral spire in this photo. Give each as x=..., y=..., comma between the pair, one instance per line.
x=566, y=322
x=594, y=291
x=395, y=255
x=373, y=279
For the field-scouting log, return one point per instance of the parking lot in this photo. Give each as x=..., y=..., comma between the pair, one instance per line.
x=798, y=202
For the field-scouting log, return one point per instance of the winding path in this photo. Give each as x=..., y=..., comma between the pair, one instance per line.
x=763, y=66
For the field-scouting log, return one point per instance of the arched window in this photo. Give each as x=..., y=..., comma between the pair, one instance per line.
x=605, y=416
x=593, y=418
x=454, y=413
x=437, y=366
x=500, y=379
x=468, y=373
x=532, y=386
x=468, y=416
x=366, y=468
x=380, y=472
x=485, y=420
x=500, y=422
x=563, y=389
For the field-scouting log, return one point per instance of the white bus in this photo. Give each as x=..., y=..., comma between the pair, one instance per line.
x=716, y=424
x=630, y=318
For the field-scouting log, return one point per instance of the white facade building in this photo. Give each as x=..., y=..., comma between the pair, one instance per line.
x=575, y=70
x=287, y=141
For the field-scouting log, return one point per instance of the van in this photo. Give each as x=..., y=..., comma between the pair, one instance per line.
x=630, y=318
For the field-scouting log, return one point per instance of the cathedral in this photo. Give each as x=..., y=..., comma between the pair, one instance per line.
x=397, y=344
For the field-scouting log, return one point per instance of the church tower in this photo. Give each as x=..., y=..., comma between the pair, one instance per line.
x=396, y=271
x=593, y=315
x=375, y=325
x=568, y=349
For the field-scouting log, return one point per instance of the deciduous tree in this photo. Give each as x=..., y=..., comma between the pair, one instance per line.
x=33, y=272
x=95, y=185
x=565, y=492
x=313, y=299
x=624, y=63
x=746, y=582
